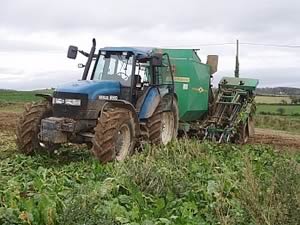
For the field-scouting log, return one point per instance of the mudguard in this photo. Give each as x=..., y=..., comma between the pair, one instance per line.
x=151, y=101
x=48, y=97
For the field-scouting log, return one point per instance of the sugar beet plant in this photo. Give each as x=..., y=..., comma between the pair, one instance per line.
x=183, y=183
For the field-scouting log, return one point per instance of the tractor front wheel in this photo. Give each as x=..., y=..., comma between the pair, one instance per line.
x=28, y=126
x=114, y=135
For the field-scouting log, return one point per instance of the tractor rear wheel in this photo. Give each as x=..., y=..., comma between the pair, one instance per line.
x=114, y=135
x=154, y=125
x=162, y=126
x=28, y=126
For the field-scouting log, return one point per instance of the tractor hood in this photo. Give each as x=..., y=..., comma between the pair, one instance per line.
x=92, y=88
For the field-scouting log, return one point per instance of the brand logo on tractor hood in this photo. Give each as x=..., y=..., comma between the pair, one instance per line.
x=108, y=97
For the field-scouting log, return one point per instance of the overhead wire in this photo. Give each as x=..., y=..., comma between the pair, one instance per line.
x=270, y=45
x=232, y=43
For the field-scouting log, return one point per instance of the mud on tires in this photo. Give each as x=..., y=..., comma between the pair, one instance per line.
x=114, y=135
x=28, y=126
x=153, y=127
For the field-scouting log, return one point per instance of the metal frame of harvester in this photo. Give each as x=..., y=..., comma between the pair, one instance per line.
x=232, y=117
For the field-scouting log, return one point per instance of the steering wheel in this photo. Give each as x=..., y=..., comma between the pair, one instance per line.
x=123, y=75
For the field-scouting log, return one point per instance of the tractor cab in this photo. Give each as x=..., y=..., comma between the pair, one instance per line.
x=134, y=69
x=131, y=70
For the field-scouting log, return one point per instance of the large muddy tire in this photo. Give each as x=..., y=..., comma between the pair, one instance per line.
x=154, y=126
x=114, y=135
x=162, y=126
x=28, y=126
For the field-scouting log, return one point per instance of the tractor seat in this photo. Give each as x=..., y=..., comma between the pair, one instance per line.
x=138, y=81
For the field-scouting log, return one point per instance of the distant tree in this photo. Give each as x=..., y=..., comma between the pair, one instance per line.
x=295, y=99
x=278, y=91
x=281, y=111
x=284, y=102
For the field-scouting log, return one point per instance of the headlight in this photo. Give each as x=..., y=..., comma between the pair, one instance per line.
x=76, y=102
x=58, y=101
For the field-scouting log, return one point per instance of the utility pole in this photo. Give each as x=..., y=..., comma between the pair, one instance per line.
x=237, y=63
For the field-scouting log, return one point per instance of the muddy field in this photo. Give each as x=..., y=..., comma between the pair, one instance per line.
x=279, y=139
x=8, y=121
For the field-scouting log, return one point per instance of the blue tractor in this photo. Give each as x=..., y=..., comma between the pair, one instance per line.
x=126, y=96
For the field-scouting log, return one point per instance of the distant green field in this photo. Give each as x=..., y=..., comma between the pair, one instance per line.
x=272, y=99
x=13, y=101
x=287, y=109
x=20, y=96
x=286, y=123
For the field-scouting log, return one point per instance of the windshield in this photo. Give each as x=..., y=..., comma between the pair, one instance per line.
x=114, y=67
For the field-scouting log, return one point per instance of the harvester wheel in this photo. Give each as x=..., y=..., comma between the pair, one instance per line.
x=28, y=127
x=243, y=134
x=114, y=135
x=163, y=125
x=251, y=126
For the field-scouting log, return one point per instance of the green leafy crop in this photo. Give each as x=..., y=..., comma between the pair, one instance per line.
x=185, y=182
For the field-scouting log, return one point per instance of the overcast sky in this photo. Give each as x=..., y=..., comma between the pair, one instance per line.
x=35, y=35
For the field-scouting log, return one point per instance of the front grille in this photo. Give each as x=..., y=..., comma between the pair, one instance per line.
x=66, y=111
x=69, y=111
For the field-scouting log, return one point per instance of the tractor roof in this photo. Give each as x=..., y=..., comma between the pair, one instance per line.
x=145, y=51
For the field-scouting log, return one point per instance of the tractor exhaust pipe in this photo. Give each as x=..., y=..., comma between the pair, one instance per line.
x=89, y=61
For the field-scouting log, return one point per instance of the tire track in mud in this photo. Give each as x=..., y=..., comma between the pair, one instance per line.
x=279, y=139
x=8, y=121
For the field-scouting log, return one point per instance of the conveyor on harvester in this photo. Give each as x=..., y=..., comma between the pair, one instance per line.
x=231, y=117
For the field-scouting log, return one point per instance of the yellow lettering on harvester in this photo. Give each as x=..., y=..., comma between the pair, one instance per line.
x=182, y=79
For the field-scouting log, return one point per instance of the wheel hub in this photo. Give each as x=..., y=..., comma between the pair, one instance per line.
x=167, y=127
x=123, y=142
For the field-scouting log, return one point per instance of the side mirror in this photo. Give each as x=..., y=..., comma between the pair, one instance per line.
x=156, y=59
x=72, y=52
x=212, y=60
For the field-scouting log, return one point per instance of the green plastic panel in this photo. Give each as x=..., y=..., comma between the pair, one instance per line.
x=192, y=80
x=240, y=83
